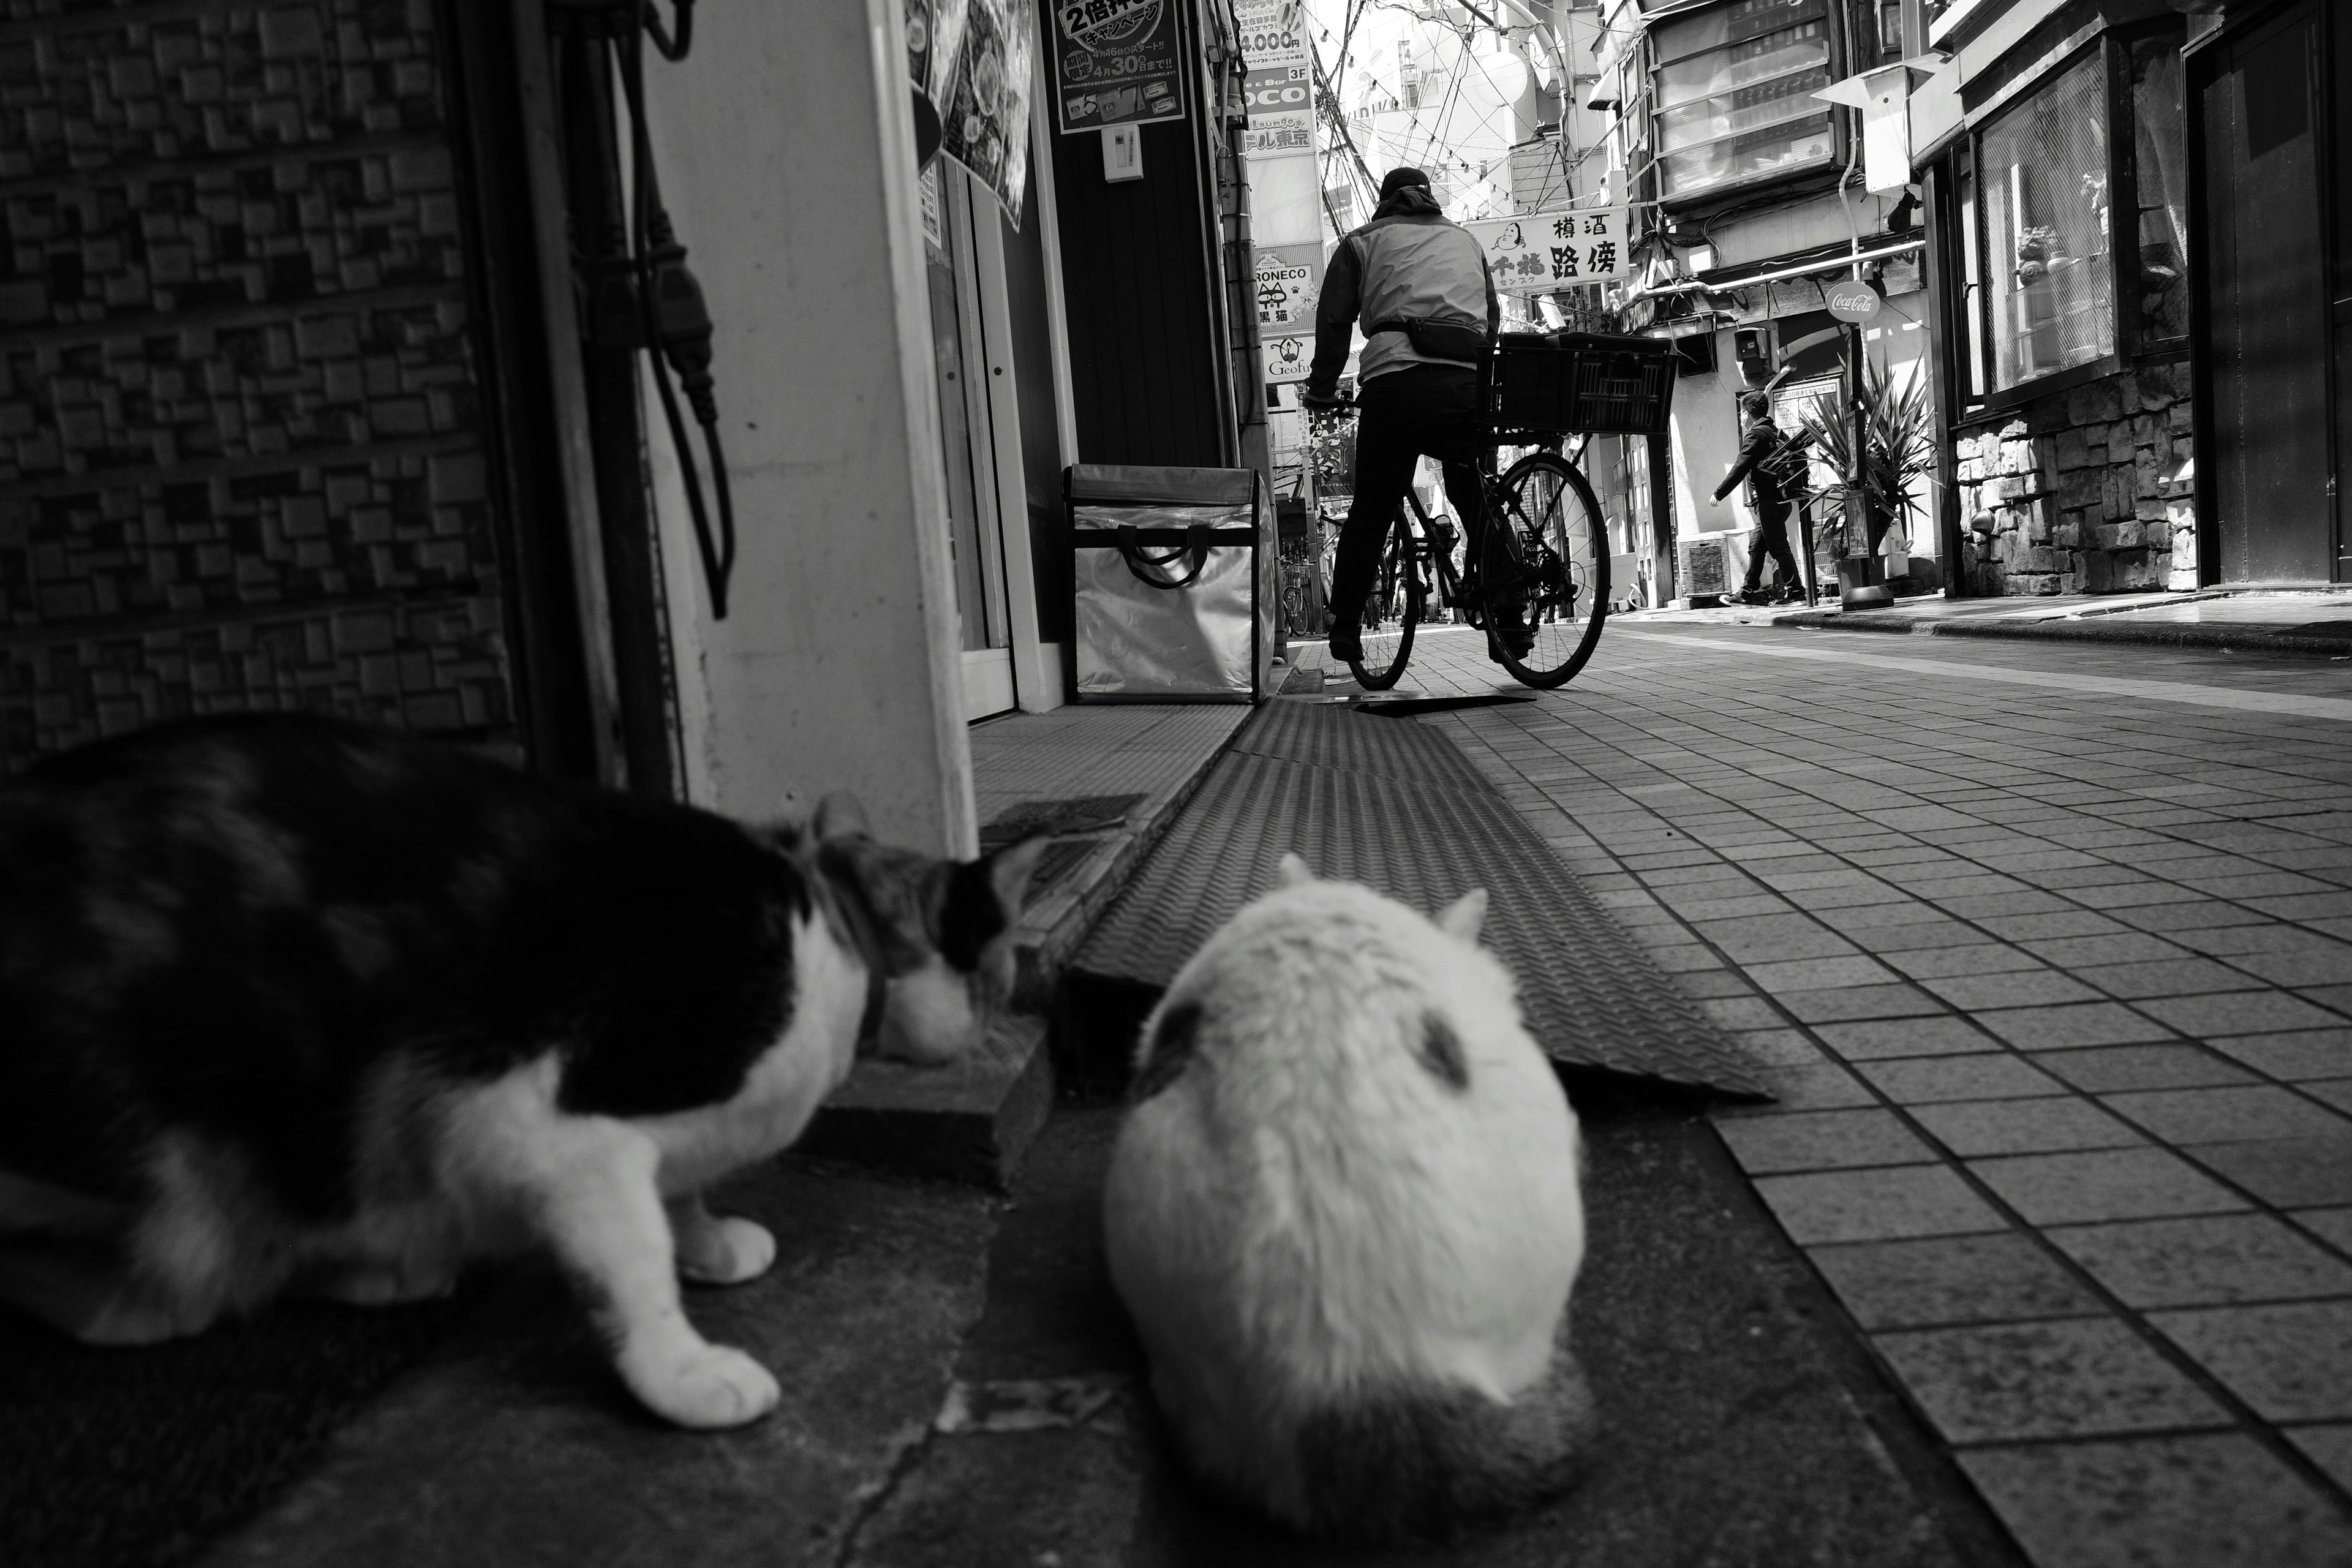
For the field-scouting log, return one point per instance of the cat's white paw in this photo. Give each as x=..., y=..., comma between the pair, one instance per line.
x=702, y=1385
x=726, y=1251
x=382, y=1285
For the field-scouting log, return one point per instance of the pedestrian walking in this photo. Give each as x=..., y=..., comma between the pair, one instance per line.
x=1763, y=455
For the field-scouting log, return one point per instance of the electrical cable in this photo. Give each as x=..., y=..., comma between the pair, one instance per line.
x=677, y=319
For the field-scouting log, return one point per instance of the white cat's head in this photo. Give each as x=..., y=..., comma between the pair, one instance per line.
x=1461, y=919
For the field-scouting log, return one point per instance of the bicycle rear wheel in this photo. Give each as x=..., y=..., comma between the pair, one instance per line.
x=1398, y=594
x=1559, y=589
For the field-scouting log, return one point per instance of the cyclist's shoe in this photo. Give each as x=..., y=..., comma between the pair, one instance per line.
x=1346, y=645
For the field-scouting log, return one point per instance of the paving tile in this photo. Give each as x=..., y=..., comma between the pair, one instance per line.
x=2292, y=1172
x=2078, y=1023
x=2106, y=1068
x=1947, y=1279
x=2240, y=1013
x=2021, y=988
x=2336, y=1092
x=1876, y=1204
x=1975, y=957
x=1979, y=1127
x=2178, y=976
x=2320, y=965
x=2213, y=1500
x=1818, y=973
x=2333, y=1226
x=2292, y=1362
x=1872, y=1038
x=2294, y=1054
x=1822, y=1140
x=2067, y=1377
x=2116, y=947
x=2103, y=1184
x=2138, y=894
x=1859, y=1002
x=1774, y=937
x=1708, y=984
x=2190, y=914
x=2329, y=1448
x=1683, y=957
x=2203, y=1261
x=2227, y=1115
x=1777, y=1048
x=1741, y=1012
x=1988, y=1075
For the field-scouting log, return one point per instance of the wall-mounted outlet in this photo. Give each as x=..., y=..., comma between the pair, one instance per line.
x=1122, y=152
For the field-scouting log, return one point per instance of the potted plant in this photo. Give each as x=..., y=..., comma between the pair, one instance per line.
x=1898, y=450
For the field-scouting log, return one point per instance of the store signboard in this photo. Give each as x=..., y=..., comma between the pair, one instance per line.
x=1544, y=251
x=1852, y=300
x=1288, y=278
x=1277, y=86
x=1115, y=63
x=1287, y=359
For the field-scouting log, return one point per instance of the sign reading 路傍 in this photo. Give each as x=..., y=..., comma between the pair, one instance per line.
x=1543, y=251
x=1115, y=63
x=1278, y=88
x=1289, y=278
x=1852, y=300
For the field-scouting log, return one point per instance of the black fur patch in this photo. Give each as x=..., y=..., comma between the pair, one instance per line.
x=1440, y=1052
x=1172, y=1047
x=971, y=917
x=1424, y=1465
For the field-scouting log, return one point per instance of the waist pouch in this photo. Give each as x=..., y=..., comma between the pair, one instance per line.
x=1454, y=340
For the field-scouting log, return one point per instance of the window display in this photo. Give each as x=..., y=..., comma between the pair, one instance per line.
x=2043, y=179
x=1735, y=95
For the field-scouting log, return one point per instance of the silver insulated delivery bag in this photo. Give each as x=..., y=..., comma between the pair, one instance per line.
x=1173, y=605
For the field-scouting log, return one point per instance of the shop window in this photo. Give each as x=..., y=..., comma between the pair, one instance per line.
x=2075, y=227
x=2042, y=170
x=1733, y=95
x=2160, y=168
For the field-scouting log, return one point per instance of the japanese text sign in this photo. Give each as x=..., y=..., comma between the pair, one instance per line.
x=1278, y=88
x=1115, y=63
x=1543, y=251
x=1289, y=278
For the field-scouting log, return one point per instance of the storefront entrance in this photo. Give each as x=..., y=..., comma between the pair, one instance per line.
x=2260, y=114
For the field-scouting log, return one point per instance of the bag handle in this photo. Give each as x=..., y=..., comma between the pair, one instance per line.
x=1144, y=565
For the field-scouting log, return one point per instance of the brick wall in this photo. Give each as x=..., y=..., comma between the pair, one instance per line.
x=241, y=461
x=2085, y=491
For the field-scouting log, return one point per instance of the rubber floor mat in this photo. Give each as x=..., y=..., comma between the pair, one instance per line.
x=1394, y=805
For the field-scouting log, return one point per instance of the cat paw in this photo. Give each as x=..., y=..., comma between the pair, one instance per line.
x=726, y=1251
x=381, y=1286
x=705, y=1386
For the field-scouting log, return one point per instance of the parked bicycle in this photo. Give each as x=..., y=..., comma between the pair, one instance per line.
x=1546, y=561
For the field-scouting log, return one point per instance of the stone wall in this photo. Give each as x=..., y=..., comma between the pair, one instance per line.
x=2085, y=491
x=241, y=456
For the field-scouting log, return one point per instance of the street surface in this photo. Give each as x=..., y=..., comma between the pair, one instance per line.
x=2049, y=946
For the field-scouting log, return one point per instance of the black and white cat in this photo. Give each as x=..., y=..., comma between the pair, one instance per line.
x=1344, y=1212
x=291, y=1004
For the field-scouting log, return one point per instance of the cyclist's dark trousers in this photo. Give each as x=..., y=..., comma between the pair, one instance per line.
x=1772, y=539
x=1425, y=409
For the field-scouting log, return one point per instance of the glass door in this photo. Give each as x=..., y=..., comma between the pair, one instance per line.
x=966, y=437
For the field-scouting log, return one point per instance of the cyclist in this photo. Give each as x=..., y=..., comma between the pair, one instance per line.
x=1427, y=300
x=1763, y=462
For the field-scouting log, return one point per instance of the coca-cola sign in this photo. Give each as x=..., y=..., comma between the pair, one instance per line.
x=1852, y=300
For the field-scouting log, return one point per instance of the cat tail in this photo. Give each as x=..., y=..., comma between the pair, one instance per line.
x=1422, y=1463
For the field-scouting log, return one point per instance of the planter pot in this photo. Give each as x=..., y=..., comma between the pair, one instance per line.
x=1861, y=583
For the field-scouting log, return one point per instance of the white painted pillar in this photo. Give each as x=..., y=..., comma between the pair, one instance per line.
x=784, y=148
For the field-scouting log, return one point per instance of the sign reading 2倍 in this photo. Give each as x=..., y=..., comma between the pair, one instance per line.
x=1115, y=63
x=1538, y=252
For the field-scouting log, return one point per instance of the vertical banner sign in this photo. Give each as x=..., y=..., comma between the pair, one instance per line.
x=1278, y=88
x=1544, y=251
x=1289, y=277
x=1115, y=63
x=984, y=111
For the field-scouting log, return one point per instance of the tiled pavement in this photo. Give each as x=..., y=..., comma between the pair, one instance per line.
x=2056, y=987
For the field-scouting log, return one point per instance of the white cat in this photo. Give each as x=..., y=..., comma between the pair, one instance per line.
x=1344, y=1212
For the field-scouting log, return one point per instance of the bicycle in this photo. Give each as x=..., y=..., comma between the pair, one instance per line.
x=1549, y=563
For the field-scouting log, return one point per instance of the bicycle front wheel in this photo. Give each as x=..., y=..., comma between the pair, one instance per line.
x=1400, y=592
x=1557, y=593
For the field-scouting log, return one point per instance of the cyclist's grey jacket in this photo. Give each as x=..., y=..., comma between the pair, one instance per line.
x=1408, y=262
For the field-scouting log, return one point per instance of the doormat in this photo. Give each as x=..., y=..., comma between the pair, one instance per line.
x=1079, y=814
x=1396, y=806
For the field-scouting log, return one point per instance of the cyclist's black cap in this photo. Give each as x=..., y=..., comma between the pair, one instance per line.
x=1399, y=178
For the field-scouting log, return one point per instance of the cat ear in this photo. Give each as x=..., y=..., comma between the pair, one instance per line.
x=980, y=899
x=1293, y=872
x=838, y=815
x=1465, y=915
